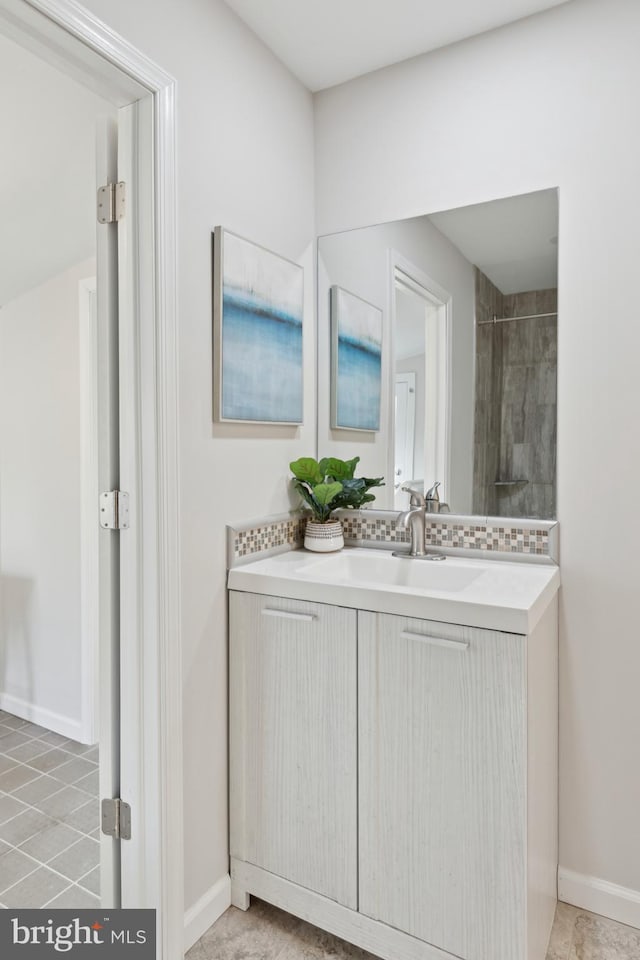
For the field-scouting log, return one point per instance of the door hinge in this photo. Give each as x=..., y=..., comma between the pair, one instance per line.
x=111, y=202
x=114, y=510
x=116, y=819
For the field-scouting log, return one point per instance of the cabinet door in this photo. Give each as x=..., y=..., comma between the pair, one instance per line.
x=442, y=822
x=293, y=741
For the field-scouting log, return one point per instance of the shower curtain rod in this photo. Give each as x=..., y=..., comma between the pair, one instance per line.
x=532, y=316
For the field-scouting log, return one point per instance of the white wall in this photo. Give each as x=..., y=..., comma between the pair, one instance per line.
x=359, y=261
x=40, y=653
x=245, y=155
x=45, y=114
x=550, y=101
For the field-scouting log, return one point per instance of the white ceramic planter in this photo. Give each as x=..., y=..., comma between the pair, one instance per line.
x=323, y=537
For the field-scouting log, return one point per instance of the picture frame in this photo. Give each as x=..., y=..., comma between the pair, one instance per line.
x=356, y=362
x=258, y=321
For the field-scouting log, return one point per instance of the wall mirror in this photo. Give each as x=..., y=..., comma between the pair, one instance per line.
x=467, y=383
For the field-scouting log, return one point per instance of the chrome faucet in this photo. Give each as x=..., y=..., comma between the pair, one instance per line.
x=414, y=520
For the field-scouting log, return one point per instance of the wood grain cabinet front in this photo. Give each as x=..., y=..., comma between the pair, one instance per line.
x=293, y=739
x=442, y=787
x=394, y=780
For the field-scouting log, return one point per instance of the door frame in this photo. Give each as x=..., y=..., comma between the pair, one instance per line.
x=73, y=39
x=438, y=340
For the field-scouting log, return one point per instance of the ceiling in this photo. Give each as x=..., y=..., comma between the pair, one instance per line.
x=513, y=241
x=325, y=42
x=47, y=170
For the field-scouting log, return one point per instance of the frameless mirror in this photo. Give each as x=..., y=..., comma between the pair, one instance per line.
x=466, y=370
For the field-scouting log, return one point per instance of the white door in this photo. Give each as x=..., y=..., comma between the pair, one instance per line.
x=121, y=299
x=109, y=547
x=405, y=415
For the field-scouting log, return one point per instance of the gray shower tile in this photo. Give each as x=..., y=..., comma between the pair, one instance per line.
x=546, y=381
x=543, y=465
x=521, y=461
x=35, y=890
x=546, y=339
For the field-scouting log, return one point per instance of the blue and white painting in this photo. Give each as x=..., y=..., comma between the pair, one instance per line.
x=357, y=361
x=260, y=341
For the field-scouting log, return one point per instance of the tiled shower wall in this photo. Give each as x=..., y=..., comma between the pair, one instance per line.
x=486, y=458
x=515, y=438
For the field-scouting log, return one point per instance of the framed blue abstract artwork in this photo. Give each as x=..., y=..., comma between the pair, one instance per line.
x=257, y=333
x=356, y=362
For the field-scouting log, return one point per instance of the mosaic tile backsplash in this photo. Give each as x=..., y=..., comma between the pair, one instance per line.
x=380, y=527
x=507, y=539
x=267, y=536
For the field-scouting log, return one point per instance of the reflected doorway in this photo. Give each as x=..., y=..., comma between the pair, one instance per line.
x=421, y=383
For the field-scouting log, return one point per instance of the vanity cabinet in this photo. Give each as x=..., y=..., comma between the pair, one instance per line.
x=441, y=751
x=293, y=742
x=393, y=779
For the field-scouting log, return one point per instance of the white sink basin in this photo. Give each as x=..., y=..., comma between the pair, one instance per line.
x=496, y=594
x=384, y=570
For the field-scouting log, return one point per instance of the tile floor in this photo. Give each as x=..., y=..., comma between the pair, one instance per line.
x=49, y=819
x=265, y=933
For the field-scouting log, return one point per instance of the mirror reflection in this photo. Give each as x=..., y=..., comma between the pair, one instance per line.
x=469, y=349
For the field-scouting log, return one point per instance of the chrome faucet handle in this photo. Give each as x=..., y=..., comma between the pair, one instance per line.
x=417, y=500
x=432, y=493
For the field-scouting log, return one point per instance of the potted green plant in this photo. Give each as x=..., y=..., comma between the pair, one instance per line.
x=326, y=486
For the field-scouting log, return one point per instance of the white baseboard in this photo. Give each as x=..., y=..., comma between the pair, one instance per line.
x=65, y=726
x=599, y=896
x=206, y=910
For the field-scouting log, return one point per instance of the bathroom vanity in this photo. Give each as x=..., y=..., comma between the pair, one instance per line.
x=393, y=731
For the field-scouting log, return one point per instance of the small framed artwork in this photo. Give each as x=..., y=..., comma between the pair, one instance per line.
x=258, y=305
x=356, y=362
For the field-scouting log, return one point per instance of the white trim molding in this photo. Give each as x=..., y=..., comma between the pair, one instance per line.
x=206, y=911
x=57, y=722
x=72, y=38
x=599, y=896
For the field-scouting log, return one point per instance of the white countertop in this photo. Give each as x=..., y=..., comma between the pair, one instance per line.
x=495, y=594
